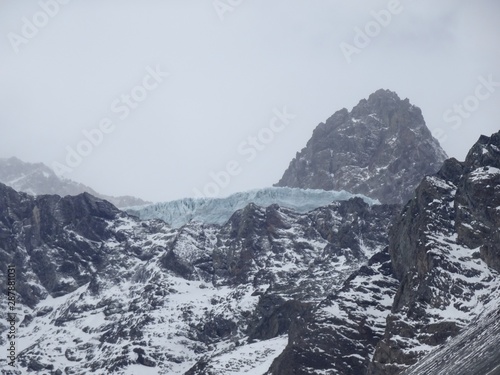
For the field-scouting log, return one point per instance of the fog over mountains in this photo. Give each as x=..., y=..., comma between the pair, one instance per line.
x=39, y=179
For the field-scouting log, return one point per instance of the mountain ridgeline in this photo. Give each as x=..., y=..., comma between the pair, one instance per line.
x=433, y=289
x=381, y=149
x=38, y=179
x=351, y=286
x=108, y=292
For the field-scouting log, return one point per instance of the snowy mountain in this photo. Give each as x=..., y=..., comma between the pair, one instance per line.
x=445, y=251
x=219, y=210
x=437, y=279
x=38, y=179
x=275, y=281
x=475, y=351
x=381, y=149
x=102, y=291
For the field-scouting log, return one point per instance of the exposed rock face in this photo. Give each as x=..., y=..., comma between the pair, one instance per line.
x=478, y=197
x=475, y=351
x=437, y=278
x=99, y=290
x=381, y=149
x=43, y=238
x=340, y=334
x=445, y=250
x=38, y=179
x=272, y=290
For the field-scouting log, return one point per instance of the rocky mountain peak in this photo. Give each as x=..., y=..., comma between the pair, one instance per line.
x=381, y=148
x=484, y=153
x=382, y=102
x=444, y=248
x=422, y=305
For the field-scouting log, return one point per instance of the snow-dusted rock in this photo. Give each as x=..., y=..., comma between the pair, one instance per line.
x=445, y=250
x=381, y=149
x=99, y=290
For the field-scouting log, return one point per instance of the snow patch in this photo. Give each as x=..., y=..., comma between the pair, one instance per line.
x=484, y=173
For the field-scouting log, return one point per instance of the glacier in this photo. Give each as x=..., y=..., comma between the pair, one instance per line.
x=218, y=210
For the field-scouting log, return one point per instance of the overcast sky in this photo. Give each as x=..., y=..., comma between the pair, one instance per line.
x=169, y=91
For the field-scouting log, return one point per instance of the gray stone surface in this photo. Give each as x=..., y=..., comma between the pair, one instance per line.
x=381, y=149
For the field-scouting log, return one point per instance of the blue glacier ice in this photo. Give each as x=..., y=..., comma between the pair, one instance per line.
x=219, y=210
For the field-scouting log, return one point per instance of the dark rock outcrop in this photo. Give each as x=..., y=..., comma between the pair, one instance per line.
x=340, y=334
x=475, y=351
x=144, y=294
x=381, y=149
x=52, y=240
x=433, y=282
x=445, y=251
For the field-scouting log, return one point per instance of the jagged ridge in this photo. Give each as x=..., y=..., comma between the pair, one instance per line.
x=381, y=149
x=103, y=291
x=442, y=274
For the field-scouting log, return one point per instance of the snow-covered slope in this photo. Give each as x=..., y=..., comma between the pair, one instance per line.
x=475, y=351
x=445, y=250
x=271, y=290
x=100, y=291
x=439, y=277
x=219, y=210
x=339, y=335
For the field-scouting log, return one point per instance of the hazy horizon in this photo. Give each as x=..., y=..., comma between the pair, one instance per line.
x=153, y=99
